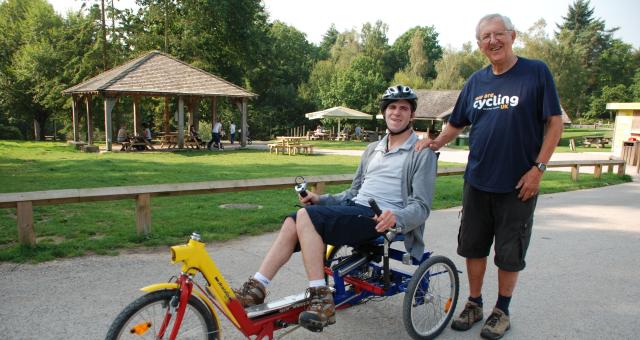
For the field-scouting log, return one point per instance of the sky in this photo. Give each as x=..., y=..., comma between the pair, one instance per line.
x=454, y=21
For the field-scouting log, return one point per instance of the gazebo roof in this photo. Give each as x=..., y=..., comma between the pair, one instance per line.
x=158, y=74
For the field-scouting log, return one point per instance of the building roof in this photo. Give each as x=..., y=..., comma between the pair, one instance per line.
x=435, y=104
x=623, y=106
x=438, y=105
x=158, y=74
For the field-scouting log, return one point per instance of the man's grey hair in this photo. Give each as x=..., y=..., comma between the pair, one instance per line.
x=505, y=20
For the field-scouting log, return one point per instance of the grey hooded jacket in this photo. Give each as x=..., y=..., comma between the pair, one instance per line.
x=418, y=181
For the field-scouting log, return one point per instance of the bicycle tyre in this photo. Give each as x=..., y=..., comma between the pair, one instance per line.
x=433, y=289
x=153, y=305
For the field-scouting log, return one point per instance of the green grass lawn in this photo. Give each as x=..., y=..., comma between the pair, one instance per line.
x=108, y=227
x=563, y=145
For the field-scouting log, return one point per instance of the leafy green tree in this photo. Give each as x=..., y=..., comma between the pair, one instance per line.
x=431, y=48
x=358, y=86
x=588, y=39
x=328, y=40
x=415, y=72
x=615, y=94
x=634, y=88
x=456, y=66
x=31, y=84
x=285, y=67
x=374, y=39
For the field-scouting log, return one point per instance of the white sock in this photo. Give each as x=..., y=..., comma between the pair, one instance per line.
x=317, y=283
x=262, y=279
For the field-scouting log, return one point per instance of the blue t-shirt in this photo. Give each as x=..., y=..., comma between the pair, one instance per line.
x=507, y=114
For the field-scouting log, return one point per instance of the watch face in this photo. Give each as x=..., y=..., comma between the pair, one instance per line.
x=542, y=166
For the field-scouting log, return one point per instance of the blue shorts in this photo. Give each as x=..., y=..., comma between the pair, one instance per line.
x=340, y=225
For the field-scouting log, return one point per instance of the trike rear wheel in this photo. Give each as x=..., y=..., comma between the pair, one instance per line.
x=143, y=318
x=431, y=298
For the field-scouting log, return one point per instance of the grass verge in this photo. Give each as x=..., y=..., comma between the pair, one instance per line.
x=108, y=227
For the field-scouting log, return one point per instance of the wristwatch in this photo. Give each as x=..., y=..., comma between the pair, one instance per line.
x=541, y=166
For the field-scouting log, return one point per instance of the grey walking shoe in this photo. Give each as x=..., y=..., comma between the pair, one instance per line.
x=251, y=293
x=321, y=312
x=497, y=324
x=471, y=314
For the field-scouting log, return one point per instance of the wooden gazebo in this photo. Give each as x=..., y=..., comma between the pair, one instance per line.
x=155, y=74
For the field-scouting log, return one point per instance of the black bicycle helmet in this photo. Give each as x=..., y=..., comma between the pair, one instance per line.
x=398, y=92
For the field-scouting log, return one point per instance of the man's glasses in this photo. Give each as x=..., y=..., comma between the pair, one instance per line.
x=485, y=38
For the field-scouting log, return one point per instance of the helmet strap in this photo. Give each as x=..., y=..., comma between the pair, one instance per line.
x=401, y=131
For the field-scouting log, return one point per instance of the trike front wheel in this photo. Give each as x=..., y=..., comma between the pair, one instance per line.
x=431, y=298
x=143, y=319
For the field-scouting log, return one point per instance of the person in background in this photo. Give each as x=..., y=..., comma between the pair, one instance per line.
x=514, y=112
x=215, y=135
x=358, y=132
x=147, y=133
x=123, y=135
x=232, y=132
x=194, y=134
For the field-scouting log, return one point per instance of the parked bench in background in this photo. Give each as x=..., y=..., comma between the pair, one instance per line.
x=597, y=141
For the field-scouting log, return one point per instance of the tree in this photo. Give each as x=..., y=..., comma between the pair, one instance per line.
x=634, y=88
x=358, y=86
x=328, y=40
x=415, y=72
x=283, y=70
x=430, y=46
x=587, y=39
x=456, y=66
x=615, y=94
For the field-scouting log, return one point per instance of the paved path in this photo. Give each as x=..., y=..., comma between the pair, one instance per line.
x=581, y=280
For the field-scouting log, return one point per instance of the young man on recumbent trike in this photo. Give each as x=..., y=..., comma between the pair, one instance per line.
x=392, y=173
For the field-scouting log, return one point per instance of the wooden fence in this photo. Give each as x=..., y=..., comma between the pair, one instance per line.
x=23, y=202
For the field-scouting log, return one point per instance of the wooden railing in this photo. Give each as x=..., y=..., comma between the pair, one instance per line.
x=23, y=202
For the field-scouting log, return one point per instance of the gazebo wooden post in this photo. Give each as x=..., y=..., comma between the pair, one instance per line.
x=243, y=114
x=136, y=115
x=195, y=121
x=165, y=116
x=214, y=113
x=87, y=100
x=109, y=103
x=190, y=110
x=180, y=122
x=74, y=116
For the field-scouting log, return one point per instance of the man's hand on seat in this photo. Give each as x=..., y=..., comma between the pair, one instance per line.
x=312, y=198
x=385, y=221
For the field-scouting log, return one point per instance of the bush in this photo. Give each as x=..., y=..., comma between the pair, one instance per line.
x=10, y=132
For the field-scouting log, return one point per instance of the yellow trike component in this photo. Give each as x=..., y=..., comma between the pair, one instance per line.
x=194, y=258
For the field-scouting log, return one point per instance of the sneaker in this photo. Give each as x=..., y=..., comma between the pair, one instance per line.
x=471, y=314
x=321, y=311
x=497, y=324
x=252, y=293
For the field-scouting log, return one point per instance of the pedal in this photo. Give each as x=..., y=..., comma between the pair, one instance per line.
x=291, y=301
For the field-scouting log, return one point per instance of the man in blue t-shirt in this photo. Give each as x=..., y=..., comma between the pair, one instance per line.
x=514, y=112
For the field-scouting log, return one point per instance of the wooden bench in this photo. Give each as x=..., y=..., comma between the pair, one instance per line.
x=598, y=142
x=276, y=147
x=304, y=148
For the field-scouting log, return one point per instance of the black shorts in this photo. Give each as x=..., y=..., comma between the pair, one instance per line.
x=503, y=216
x=340, y=225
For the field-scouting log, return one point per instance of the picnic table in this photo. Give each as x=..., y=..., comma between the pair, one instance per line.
x=292, y=145
x=597, y=141
x=343, y=137
x=136, y=143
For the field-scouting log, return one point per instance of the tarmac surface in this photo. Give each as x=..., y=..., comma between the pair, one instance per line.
x=581, y=280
